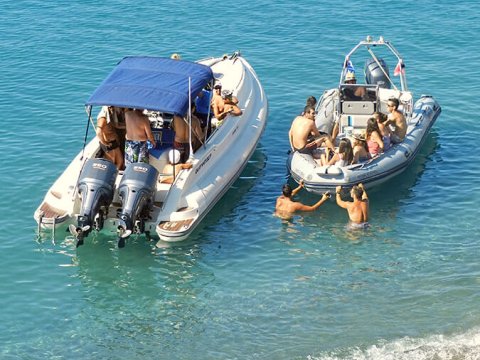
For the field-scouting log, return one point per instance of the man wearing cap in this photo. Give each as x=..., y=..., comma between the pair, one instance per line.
x=353, y=93
x=224, y=103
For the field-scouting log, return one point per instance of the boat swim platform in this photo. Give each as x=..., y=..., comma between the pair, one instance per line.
x=51, y=215
x=175, y=225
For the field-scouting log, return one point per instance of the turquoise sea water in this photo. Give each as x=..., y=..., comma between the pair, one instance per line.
x=246, y=285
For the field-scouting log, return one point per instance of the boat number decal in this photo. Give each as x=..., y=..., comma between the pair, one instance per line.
x=99, y=166
x=142, y=169
x=203, y=163
x=407, y=153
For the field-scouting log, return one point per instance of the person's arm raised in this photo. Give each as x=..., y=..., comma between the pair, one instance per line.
x=338, y=198
x=302, y=207
x=297, y=189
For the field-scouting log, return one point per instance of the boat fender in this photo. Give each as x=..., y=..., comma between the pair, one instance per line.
x=330, y=170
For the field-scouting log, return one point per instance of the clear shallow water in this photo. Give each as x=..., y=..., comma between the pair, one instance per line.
x=246, y=285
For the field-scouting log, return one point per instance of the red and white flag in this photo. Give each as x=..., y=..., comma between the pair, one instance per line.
x=400, y=68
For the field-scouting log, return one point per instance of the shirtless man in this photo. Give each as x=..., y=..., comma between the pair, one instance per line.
x=303, y=127
x=138, y=132
x=397, y=119
x=182, y=135
x=224, y=103
x=358, y=209
x=108, y=137
x=285, y=206
x=171, y=170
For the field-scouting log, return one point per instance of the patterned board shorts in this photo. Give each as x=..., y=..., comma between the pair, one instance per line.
x=136, y=151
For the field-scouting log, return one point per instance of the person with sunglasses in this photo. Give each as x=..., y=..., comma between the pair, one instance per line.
x=397, y=119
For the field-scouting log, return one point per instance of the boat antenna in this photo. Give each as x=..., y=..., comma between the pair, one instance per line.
x=190, y=117
x=89, y=113
x=210, y=96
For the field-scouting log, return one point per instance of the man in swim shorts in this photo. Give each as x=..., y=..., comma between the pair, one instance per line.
x=285, y=206
x=304, y=136
x=138, y=132
x=358, y=209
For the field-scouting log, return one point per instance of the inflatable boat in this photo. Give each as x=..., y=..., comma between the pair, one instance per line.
x=341, y=114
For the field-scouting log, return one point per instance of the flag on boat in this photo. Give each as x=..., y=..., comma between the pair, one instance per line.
x=400, y=68
x=349, y=66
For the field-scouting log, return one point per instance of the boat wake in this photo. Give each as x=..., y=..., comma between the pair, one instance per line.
x=464, y=346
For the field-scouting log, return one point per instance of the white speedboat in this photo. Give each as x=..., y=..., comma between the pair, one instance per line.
x=92, y=195
x=339, y=106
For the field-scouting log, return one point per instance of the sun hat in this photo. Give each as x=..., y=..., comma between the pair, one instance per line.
x=359, y=135
x=350, y=76
x=174, y=156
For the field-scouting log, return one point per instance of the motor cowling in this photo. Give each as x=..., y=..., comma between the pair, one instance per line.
x=136, y=190
x=375, y=75
x=96, y=188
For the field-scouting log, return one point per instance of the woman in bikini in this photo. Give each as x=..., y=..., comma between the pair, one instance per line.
x=374, y=139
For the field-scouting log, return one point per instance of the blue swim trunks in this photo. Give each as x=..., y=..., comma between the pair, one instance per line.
x=136, y=151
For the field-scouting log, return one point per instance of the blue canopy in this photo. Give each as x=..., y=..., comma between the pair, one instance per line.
x=152, y=83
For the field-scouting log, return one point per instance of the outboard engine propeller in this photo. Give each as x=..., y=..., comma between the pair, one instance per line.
x=95, y=187
x=375, y=75
x=136, y=189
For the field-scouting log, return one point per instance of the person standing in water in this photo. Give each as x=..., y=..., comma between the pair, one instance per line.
x=358, y=209
x=285, y=206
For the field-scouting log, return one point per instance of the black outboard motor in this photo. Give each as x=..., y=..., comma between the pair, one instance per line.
x=374, y=74
x=95, y=187
x=137, y=190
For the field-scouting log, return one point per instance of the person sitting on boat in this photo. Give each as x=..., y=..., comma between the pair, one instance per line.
x=360, y=149
x=353, y=93
x=311, y=101
x=374, y=139
x=182, y=134
x=174, y=166
x=224, y=103
x=342, y=157
x=304, y=136
x=202, y=105
x=138, y=133
x=198, y=132
x=108, y=136
x=285, y=206
x=358, y=209
x=397, y=119
x=385, y=131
